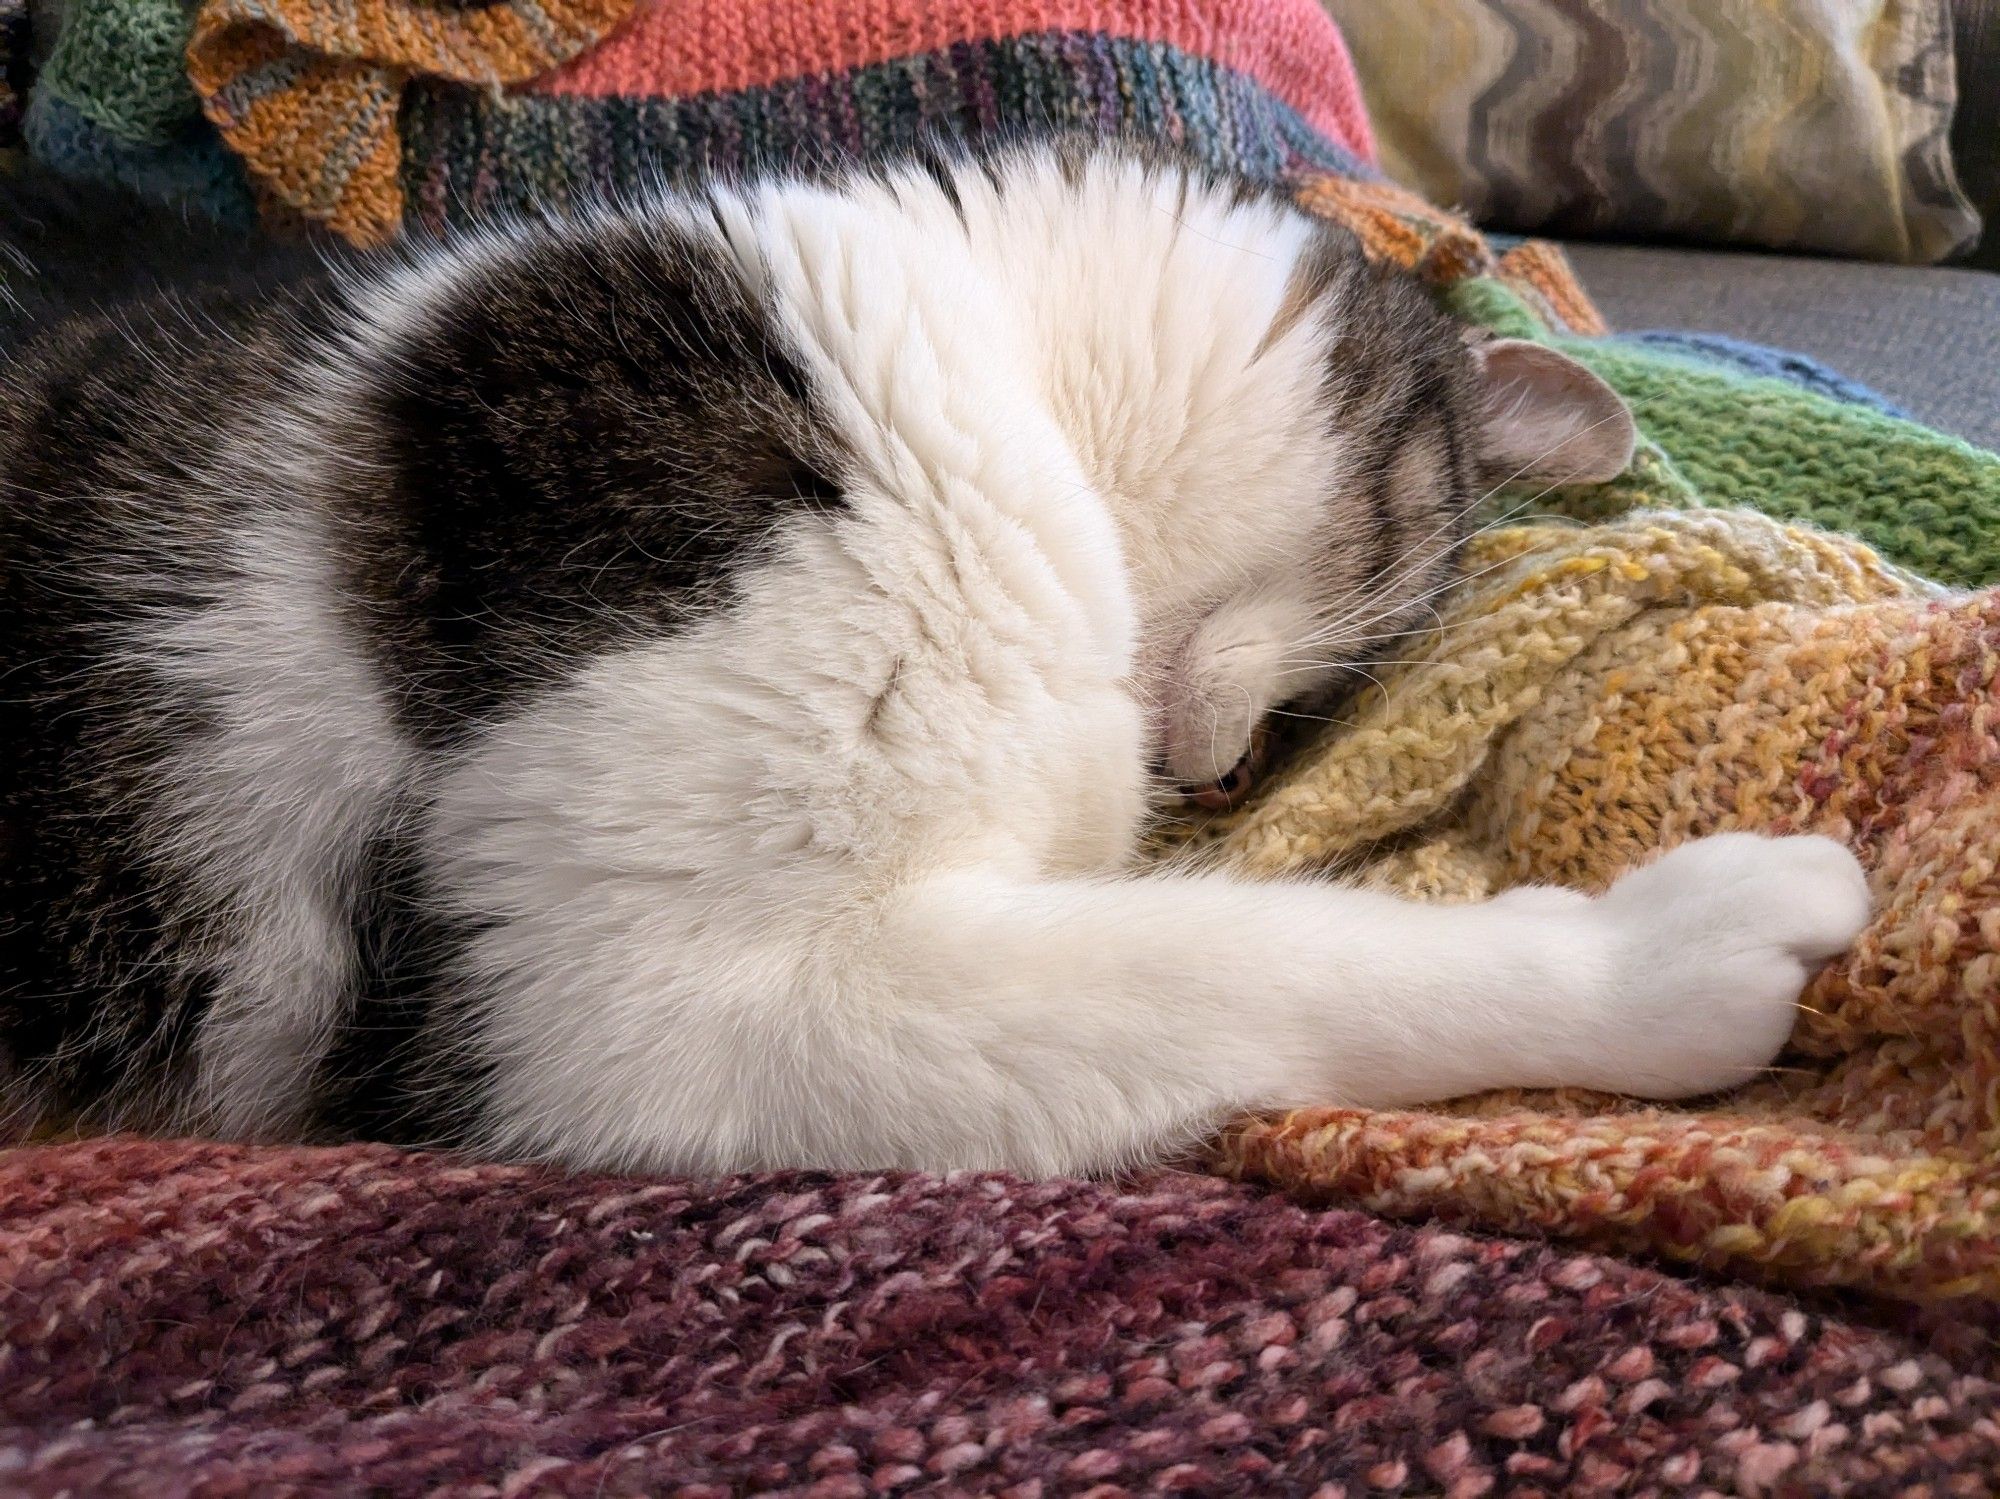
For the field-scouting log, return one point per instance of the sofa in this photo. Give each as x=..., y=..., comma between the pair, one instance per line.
x=1927, y=337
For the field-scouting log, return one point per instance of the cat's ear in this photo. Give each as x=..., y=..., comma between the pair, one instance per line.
x=1546, y=419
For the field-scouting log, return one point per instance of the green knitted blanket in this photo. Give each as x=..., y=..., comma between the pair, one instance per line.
x=1799, y=445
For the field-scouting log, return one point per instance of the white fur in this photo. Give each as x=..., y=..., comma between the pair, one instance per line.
x=269, y=811
x=841, y=876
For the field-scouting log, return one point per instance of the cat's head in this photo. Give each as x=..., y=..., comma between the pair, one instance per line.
x=1428, y=420
x=1289, y=441
x=1293, y=440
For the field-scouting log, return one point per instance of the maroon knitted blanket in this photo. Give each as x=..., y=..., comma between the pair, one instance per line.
x=200, y=1319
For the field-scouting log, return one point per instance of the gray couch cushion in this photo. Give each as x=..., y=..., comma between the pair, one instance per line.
x=1928, y=338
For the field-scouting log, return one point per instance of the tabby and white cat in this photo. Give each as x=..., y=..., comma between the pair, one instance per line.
x=681, y=687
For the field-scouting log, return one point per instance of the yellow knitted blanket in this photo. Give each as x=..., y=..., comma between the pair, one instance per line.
x=1601, y=692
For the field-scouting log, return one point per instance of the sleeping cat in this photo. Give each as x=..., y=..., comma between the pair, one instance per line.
x=680, y=687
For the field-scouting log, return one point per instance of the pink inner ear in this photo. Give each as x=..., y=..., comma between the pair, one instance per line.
x=1549, y=419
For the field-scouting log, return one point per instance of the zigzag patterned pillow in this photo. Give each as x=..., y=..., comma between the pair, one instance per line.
x=1802, y=124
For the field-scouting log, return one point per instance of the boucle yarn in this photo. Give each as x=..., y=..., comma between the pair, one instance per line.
x=1599, y=693
x=221, y=1321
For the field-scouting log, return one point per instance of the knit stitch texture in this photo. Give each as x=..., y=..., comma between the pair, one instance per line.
x=1755, y=359
x=203, y=1320
x=218, y=1320
x=1601, y=693
x=1597, y=694
x=112, y=103
x=468, y=155
x=309, y=92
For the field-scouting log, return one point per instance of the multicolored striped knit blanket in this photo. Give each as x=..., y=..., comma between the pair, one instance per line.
x=358, y=114
x=1630, y=665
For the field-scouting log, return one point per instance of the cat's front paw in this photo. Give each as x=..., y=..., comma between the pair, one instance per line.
x=1712, y=945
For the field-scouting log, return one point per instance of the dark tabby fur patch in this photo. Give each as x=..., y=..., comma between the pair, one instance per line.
x=580, y=446
x=585, y=441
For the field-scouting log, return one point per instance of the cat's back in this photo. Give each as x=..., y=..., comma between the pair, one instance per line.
x=844, y=502
x=135, y=342
x=137, y=347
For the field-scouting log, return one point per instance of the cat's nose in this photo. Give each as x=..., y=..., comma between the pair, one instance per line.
x=1221, y=795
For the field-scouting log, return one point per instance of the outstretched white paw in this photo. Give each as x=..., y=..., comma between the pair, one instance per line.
x=1712, y=945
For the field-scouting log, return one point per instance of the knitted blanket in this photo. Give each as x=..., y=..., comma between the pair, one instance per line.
x=190, y=1319
x=1598, y=692
x=358, y=114
x=1627, y=666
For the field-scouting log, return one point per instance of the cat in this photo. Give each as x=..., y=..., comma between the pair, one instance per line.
x=680, y=685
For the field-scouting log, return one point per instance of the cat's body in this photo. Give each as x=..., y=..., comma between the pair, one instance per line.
x=683, y=689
